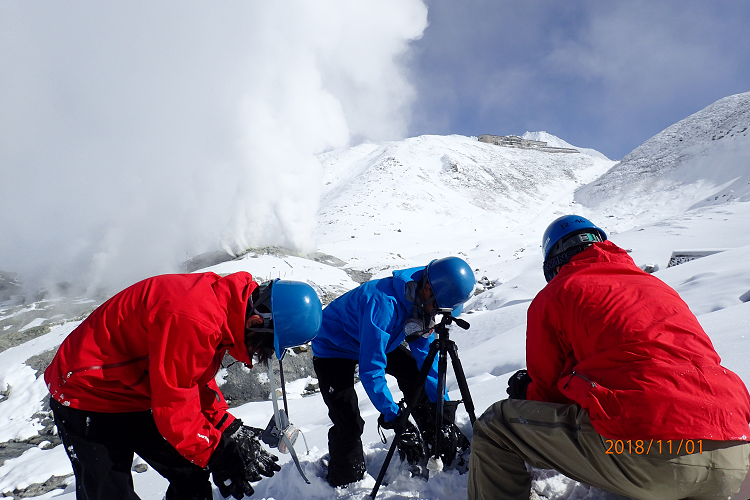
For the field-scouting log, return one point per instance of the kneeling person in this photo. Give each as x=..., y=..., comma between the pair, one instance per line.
x=624, y=390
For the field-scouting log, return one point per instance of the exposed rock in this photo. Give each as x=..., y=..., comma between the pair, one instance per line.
x=358, y=276
x=207, y=259
x=12, y=449
x=242, y=384
x=681, y=256
x=324, y=258
x=650, y=268
x=37, y=489
x=40, y=362
x=311, y=388
x=14, y=338
x=19, y=315
x=483, y=284
x=15, y=447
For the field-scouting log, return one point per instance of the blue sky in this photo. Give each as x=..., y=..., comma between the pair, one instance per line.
x=605, y=75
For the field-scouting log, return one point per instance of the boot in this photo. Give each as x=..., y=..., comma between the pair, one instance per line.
x=344, y=473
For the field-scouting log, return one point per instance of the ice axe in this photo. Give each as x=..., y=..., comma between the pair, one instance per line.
x=280, y=433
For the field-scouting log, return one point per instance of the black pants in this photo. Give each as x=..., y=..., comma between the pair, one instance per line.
x=101, y=447
x=336, y=379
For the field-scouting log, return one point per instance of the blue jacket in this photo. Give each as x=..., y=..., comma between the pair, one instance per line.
x=365, y=324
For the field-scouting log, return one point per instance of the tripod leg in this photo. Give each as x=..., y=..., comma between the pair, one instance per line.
x=405, y=414
x=461, y=379
x=387, y=461
x=440, y=407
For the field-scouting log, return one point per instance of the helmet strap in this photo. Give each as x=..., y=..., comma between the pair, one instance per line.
x=259, y=300
x=550, y=265
x=419, y=324
x=432, y=300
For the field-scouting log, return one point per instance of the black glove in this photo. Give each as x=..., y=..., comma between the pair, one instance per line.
x=452, y=441
x=517, y=384
x=238, y=459
x=227, y=466
x=258, y=462
x=410, y=445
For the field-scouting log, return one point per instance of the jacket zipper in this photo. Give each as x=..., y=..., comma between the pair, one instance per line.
x=102, y=367
x=583, y=377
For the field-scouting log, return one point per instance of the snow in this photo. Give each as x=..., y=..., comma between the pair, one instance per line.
x=34, y=466
x=701, y=160
x=729, y=330
x=324, y=277
x=556, y=142
x=26, y=391
x=399, y=204
x=682, y=190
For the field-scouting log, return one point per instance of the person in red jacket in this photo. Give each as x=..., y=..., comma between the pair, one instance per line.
x=137, y=376
x=623, y=391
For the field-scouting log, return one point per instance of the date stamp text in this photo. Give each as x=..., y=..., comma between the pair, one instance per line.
x=653, y=446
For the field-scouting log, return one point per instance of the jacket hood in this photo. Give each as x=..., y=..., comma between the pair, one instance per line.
x=233, y=293
x=401, y=278
x=604, y=256
x=604, y=251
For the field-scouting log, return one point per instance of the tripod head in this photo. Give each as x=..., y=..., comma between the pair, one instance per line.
x=449, y=319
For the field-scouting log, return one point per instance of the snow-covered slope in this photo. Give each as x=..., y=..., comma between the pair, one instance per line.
x=556, y=142
x=401, y=203
x=490, y=205
x=701, y=160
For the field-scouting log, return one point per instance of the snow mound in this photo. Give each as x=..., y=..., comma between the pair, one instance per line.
x=701, y=160
x=556, y=142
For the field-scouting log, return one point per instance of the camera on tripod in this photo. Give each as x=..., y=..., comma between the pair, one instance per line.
x=444, y=347
x=449, y=318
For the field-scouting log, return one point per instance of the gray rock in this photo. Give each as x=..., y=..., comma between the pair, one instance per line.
x=16, y=447
x=40, y=362
x=243, y=385
x=207, y=259
x=37, y=489
x=358, y=276
x=14, y=338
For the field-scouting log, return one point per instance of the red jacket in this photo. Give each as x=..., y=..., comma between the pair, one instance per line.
x=624, y=346
x=158, y=345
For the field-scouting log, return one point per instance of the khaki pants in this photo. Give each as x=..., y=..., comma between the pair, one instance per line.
x=561, y=437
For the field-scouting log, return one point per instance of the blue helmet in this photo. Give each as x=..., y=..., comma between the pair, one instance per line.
x=565, y=237
x=452, y=281
x=296, y=313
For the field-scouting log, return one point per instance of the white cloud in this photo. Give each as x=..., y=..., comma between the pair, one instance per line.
x=134, y=134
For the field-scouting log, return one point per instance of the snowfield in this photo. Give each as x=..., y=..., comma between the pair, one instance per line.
x=399, y=204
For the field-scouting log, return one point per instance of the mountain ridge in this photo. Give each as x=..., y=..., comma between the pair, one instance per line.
x=703, y=156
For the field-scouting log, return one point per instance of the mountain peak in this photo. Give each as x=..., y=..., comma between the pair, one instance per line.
x=705, y=155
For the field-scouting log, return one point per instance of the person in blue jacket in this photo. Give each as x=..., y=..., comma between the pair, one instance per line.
x=369, y=326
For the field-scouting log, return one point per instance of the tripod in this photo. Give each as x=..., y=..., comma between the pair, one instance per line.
x=443, y=346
